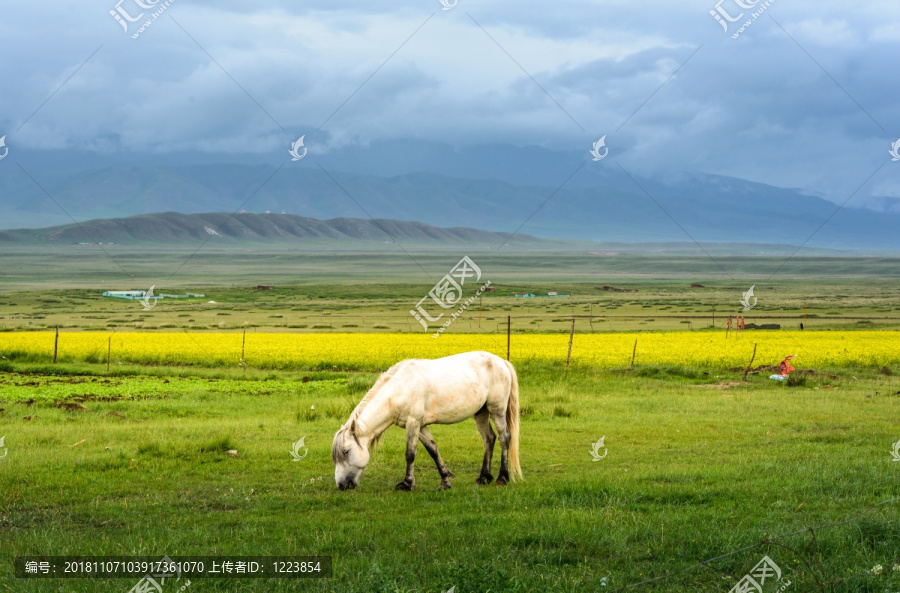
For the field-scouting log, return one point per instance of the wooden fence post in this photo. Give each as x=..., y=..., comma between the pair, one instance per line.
x=56, y=345
x=508, y=325
x=243, y=343
x=480, y=298
x=747, y=370
x=108, y=353
x=633, y=352
x=571, y=335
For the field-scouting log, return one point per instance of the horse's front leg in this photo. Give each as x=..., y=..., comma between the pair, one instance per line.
x=413, y=427
x=431, y=447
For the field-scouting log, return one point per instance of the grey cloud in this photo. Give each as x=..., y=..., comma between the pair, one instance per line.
x=756, y=107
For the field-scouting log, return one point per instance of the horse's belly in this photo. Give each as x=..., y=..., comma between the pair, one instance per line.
x=451, y=408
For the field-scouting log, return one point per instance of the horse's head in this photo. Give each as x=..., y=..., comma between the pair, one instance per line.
x=350, y=457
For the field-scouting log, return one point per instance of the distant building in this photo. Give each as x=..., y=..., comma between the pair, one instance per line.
x=141, y=294
x=126, y=294
x=531, y=295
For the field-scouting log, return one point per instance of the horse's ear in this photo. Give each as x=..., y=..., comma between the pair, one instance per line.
x=353, y=432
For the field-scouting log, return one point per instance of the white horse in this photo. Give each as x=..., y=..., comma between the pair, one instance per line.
x=415, y=393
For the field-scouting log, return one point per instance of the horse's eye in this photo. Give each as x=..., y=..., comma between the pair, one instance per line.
x=346, y=451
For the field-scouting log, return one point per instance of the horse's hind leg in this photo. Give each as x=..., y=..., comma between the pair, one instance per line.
x=412, y=443
x=431, y=447
x=483, y=422
x=505, y=436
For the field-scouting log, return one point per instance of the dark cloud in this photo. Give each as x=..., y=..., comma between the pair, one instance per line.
x=758, y=107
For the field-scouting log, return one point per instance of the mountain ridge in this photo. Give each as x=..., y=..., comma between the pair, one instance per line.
x=175, y=227
x=598, y=202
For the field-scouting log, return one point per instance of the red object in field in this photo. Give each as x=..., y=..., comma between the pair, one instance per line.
x=785, y=366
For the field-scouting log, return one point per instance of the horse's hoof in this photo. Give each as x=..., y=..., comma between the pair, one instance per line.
x=444, y=486
x=484, y=479
x=502, y=481
x=405, y=486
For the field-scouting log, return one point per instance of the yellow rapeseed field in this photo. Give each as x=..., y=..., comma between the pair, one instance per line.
x=821, y=349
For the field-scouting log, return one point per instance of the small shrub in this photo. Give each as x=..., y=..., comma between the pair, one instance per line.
x=339, y=411
x=796, y=380
x=358, y=384
x=561, y=412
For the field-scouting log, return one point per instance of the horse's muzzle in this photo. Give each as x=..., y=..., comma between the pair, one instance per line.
x=347, y=486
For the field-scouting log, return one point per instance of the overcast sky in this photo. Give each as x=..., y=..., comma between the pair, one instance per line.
x=805, y=97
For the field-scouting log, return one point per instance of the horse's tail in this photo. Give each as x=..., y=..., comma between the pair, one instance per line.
x=512, y=420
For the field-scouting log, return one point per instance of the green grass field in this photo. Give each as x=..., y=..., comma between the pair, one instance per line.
x=697, y=466
x=704, y=473
x=341, y=307
x=342, y=290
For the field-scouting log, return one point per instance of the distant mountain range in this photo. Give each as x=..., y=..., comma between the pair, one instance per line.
x=225, y=229
x=541, y=192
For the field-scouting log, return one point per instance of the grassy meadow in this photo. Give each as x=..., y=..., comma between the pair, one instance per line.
x=703, y=471
x=697, y=464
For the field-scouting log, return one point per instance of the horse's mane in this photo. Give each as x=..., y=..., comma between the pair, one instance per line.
x=385, y=376
x=337, y=452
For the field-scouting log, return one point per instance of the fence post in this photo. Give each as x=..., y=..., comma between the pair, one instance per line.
x=508, y=324
x=243, y=343
x=633, y=352
x=747, y=370
x=56, y=344
x=571, y=335
x=108, y=353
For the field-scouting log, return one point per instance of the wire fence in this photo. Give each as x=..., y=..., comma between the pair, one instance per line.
x=722, y=350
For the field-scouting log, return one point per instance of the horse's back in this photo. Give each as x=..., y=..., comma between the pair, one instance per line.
x=451, y=389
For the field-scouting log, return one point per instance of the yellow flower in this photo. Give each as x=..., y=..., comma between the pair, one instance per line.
x=706, y=350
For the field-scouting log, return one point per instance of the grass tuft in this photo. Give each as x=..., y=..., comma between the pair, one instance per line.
x=218, y=445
